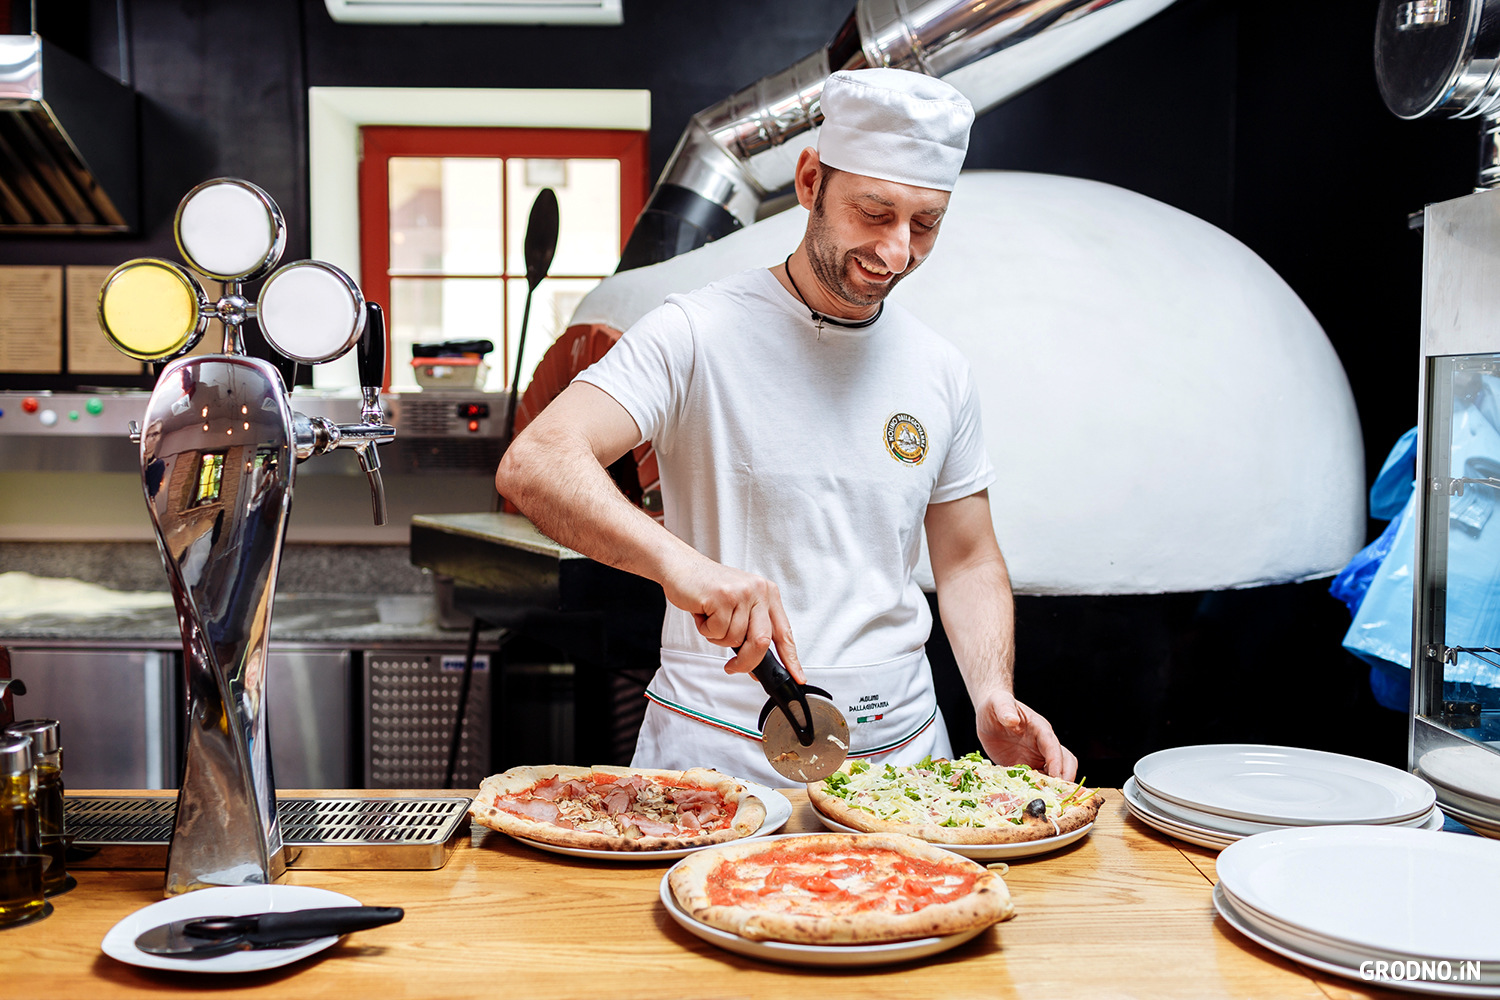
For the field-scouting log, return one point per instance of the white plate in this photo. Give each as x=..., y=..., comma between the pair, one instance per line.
x=1237, y=919
x=986, y=852
x=1287, y=786
x=778, y=811
x=1478, y=822
x=1203, y=837
x=233, y=901
x=1228, y=825
x=1373, y=886
x=886, y=953
x=1145, y=810
x=1468, y=770
x=1338, y=952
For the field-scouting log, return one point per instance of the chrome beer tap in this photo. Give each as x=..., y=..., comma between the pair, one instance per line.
x=316, y=435
x=219, y=448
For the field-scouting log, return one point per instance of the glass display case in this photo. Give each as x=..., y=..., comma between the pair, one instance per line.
x=1455, y=707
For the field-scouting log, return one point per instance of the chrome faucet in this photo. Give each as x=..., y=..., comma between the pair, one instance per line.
x=219, y=448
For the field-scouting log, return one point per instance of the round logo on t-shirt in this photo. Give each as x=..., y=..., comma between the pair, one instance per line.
x=905, y=439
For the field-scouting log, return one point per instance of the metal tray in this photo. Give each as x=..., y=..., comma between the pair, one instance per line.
x=107, y=831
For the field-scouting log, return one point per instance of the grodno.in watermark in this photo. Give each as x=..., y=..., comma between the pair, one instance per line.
x=1410, y=969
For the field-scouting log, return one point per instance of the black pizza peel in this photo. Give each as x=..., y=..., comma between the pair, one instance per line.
x=809, y=738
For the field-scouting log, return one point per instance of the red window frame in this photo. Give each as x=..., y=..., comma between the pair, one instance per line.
x=381, y=142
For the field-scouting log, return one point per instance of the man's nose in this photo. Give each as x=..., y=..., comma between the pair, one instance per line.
x=894, y=248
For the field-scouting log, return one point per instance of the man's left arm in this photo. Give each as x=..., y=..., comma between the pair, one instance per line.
x=974, y=599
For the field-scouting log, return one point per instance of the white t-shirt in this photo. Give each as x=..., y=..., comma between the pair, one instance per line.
x=805, y=456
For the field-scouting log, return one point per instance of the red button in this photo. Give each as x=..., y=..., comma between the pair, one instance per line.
x=29, y=404
x=474, y=426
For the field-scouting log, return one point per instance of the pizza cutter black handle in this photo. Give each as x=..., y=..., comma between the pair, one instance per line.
x=784, y=691
x=269, y=928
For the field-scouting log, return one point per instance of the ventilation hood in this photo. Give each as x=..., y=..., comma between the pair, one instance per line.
x=67, y=143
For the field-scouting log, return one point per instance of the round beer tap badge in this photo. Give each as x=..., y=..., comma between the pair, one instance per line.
x=905, y=439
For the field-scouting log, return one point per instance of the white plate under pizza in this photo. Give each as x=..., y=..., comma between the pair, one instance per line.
x=626, y=814
x=832, y=899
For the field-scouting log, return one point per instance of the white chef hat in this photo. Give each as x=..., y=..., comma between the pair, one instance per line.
x=895, y=124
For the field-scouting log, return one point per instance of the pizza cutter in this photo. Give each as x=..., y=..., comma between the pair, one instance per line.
x=809, y=738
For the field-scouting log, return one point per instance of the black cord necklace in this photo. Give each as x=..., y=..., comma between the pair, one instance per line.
x=818, y=317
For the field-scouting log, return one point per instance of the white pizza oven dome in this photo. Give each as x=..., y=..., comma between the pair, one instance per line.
x=1164, y=412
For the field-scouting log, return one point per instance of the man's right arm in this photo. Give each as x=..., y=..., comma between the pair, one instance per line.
x=554, y=472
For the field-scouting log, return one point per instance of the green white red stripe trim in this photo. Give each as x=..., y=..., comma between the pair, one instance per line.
x=750, y=734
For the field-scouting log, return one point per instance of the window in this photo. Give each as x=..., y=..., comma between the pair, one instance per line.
x=443, y=216
x=210, y=478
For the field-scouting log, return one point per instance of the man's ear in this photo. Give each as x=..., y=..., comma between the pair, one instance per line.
x=805, y=179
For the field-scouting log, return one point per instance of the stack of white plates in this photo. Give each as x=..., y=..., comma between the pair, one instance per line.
x=1469, y=777
x=1215, y=795
x=1378, y=904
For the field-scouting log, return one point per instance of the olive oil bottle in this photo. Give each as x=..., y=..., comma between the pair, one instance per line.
x=46, y=757
x=21, y=860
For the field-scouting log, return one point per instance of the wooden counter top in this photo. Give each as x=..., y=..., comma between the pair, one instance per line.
x=1123, y=913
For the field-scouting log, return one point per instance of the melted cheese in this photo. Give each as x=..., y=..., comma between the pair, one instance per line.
x=969, y=792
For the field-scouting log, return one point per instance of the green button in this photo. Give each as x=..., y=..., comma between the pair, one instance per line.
x=72, y=414
x=95, y=406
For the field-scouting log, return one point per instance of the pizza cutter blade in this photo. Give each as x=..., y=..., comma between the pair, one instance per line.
x=808, y=739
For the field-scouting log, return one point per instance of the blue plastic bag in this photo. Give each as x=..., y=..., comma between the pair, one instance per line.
x=1390, y=497
x=1381, y=601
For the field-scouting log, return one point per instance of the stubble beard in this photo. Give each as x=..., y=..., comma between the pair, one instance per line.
x=830, y=262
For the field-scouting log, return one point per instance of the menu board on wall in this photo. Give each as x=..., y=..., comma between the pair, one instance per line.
x=88, y=349
x=31, y=307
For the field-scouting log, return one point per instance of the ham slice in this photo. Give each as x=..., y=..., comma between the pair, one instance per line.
x=618, y=800
x=537, y=809
x=650, y=827
x=549, y=789
x=693, y=796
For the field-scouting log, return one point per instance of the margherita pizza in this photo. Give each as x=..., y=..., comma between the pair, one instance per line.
x=617, y=808
x=965, y=801
x=838, y=888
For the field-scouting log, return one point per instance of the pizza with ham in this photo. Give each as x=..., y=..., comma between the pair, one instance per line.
x=838, y=888
x=964, y=801
x=617, y=808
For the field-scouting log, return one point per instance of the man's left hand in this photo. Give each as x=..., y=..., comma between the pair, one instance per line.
x=1012, y=733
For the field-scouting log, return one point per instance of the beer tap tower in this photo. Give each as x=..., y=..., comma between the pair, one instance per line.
x=219, y=448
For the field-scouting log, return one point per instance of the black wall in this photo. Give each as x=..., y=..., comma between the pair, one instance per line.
x=1267, y=126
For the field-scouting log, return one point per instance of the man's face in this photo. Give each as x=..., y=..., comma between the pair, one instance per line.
x=866, y=234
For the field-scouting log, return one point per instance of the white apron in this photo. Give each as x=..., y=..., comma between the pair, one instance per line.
x=699, y=716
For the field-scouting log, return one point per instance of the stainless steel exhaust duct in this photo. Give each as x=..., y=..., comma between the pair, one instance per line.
x=1443, y=56
x=67, y=143
x=737, y=152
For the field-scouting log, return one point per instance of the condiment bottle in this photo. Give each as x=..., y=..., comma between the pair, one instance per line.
x=21, y=860
x=46, y=762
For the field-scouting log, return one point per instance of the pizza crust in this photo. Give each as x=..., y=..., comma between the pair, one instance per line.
x=1030, y=828
x=749, y=811
x=987, y=902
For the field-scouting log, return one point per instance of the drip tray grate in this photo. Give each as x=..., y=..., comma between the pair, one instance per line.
x=108, y=831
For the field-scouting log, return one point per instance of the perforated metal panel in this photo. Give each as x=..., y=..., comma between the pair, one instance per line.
x=411, y=702
x=131, y=832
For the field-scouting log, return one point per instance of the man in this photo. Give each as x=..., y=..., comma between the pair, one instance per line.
x=806, y=435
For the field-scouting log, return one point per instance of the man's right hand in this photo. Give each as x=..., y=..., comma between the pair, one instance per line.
x=736, y=610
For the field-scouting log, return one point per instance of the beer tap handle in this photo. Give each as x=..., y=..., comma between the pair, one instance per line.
x=371, y=360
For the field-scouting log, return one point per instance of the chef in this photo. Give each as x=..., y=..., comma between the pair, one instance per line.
x=808, y=431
